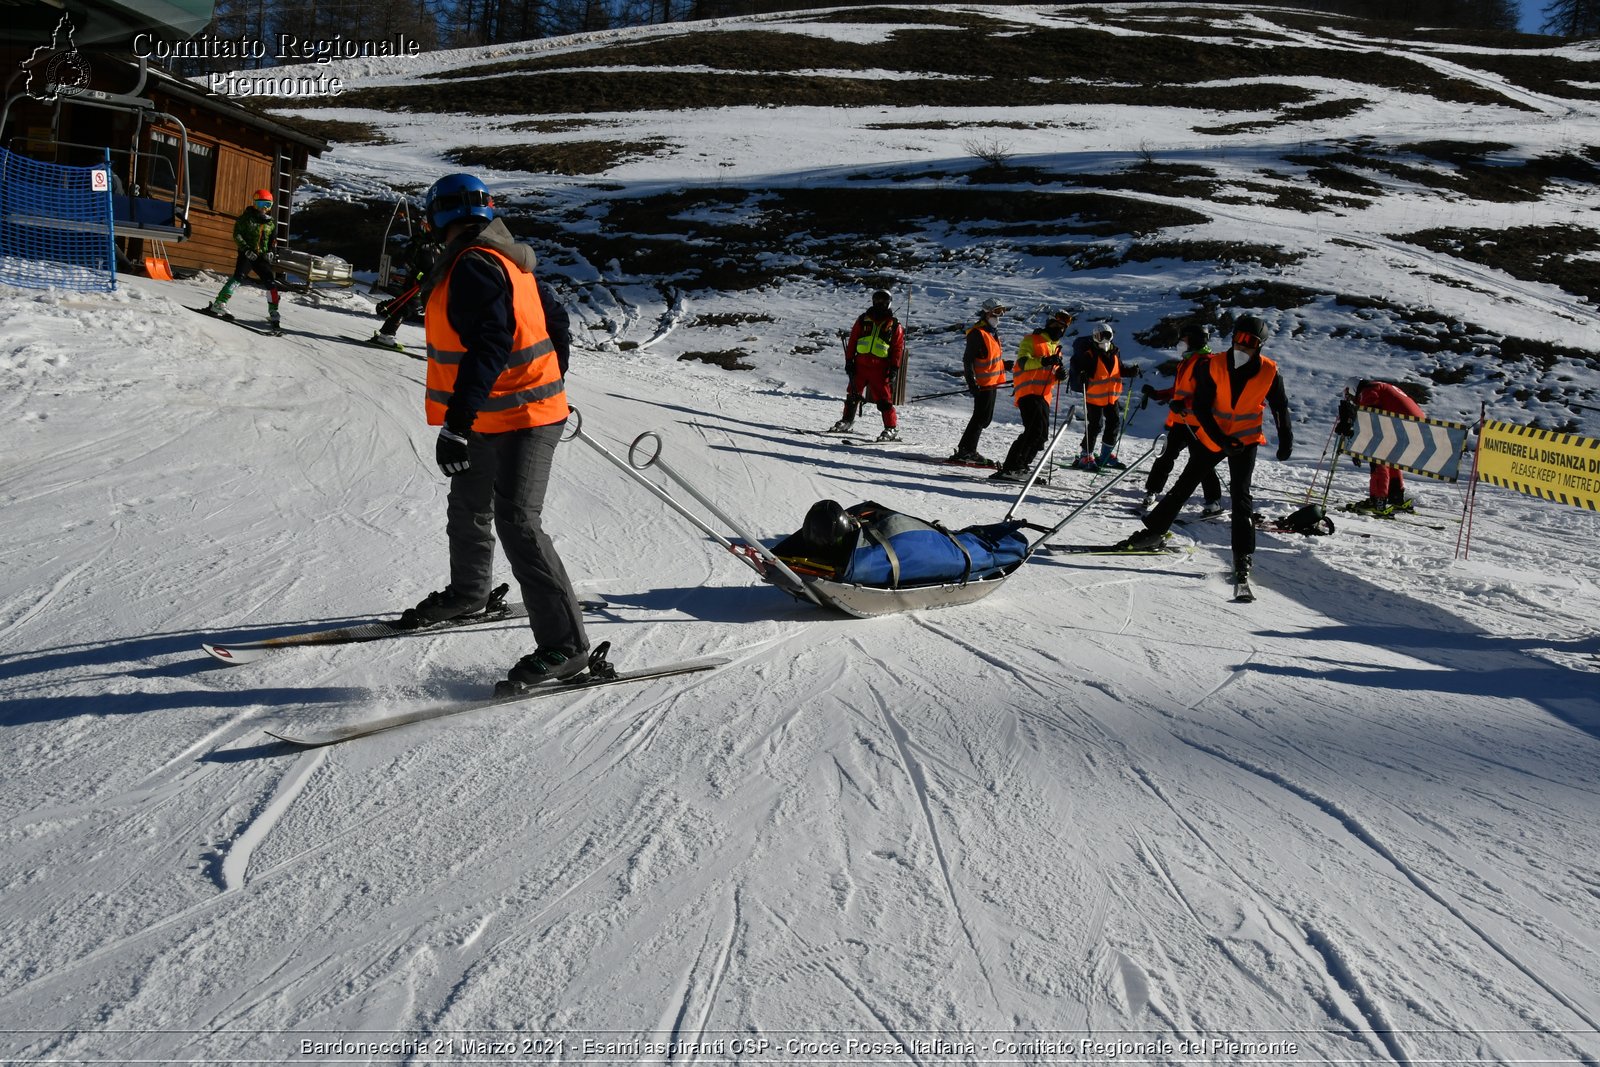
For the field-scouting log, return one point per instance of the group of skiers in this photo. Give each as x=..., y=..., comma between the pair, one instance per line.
x=1216, y=409
x=1216, y=406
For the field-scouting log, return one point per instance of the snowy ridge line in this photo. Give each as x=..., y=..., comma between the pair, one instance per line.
x=1339, y=968
x=1366, y=837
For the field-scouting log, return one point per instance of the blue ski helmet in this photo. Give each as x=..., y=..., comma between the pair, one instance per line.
x=455, y=197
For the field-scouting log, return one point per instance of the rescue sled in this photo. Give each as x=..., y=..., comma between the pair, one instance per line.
x=865, y=560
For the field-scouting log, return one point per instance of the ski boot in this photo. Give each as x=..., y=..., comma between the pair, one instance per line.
x=842, y=426
x=1108, y=461
x=445, y=605
x=550, y=667
x=890, y=433
x=1212, y=507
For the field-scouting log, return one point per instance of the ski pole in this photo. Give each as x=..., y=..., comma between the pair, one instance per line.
x=1316, y=475
x=1332, y=467
x=1037, y=467
x=1161, y=439
x=934, y=396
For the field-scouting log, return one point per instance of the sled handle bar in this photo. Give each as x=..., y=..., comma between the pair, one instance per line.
x=1044, y=460
x=1155, y=446
x=640, y=461
x=753, y=552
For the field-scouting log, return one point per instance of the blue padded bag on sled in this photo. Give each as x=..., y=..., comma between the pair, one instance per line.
x=891, y=550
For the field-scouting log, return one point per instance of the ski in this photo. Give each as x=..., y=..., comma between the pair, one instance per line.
x=236, y=653
x=846, y=437
x=1112, y=550
x=1405, y=516
x=223, y=316
x=946, y=461
x=597, y=674
x=399, y=349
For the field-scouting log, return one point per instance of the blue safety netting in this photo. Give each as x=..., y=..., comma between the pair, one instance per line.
x=55, y=225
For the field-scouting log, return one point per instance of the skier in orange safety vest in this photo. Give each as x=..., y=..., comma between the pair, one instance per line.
x=1097, y=370
x=1034, y=375
x=1232, y=391
x=1181, y=421
x=984, y=366
x=496, y=388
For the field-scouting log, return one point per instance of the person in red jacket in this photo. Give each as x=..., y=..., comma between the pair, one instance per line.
x=872, y=358
x=1386, y=488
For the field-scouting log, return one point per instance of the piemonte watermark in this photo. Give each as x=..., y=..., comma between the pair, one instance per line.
x=59, y=66
x=284, y=48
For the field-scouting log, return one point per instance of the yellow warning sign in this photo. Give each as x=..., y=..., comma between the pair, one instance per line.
x=1556, y=466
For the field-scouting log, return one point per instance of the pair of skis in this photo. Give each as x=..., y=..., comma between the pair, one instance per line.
x=847, y=437
x=235, y=653
x=597, y=672
x=269, y=330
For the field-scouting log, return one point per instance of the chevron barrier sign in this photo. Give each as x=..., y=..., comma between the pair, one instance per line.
x=1430, y=447
x=1555, y=466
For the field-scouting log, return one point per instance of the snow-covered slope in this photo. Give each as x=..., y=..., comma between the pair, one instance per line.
x=1353, y=821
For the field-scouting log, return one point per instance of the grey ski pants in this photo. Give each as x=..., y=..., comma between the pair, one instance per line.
x=503, y=492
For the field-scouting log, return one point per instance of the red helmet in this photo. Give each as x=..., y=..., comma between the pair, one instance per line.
x=264, y=194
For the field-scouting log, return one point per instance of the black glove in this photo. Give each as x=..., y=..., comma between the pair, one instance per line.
x=1132, y=370
x=450, y=452
x=1147, y=390
x=1285, y=448
x=1346, y=426
x=1061, y=373
x=972, y=387
x=890, y=379
x=384, y=307
x=850, y=367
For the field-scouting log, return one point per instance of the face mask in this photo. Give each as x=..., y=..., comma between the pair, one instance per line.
x=1241, y=357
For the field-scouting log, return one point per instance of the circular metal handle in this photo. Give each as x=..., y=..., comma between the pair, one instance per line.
x=633, y=449
x=574, y=425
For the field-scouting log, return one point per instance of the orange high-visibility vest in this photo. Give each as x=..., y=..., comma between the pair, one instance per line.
x=530, y=391
x=1182, y=411
x=1238, y=418
x=1104, y=387
x=1029, y=375
x=990, y=371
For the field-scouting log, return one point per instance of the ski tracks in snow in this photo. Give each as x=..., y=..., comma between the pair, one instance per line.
x=1366, y=837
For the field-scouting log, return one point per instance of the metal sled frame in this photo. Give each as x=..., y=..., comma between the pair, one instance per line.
x=861, y=601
